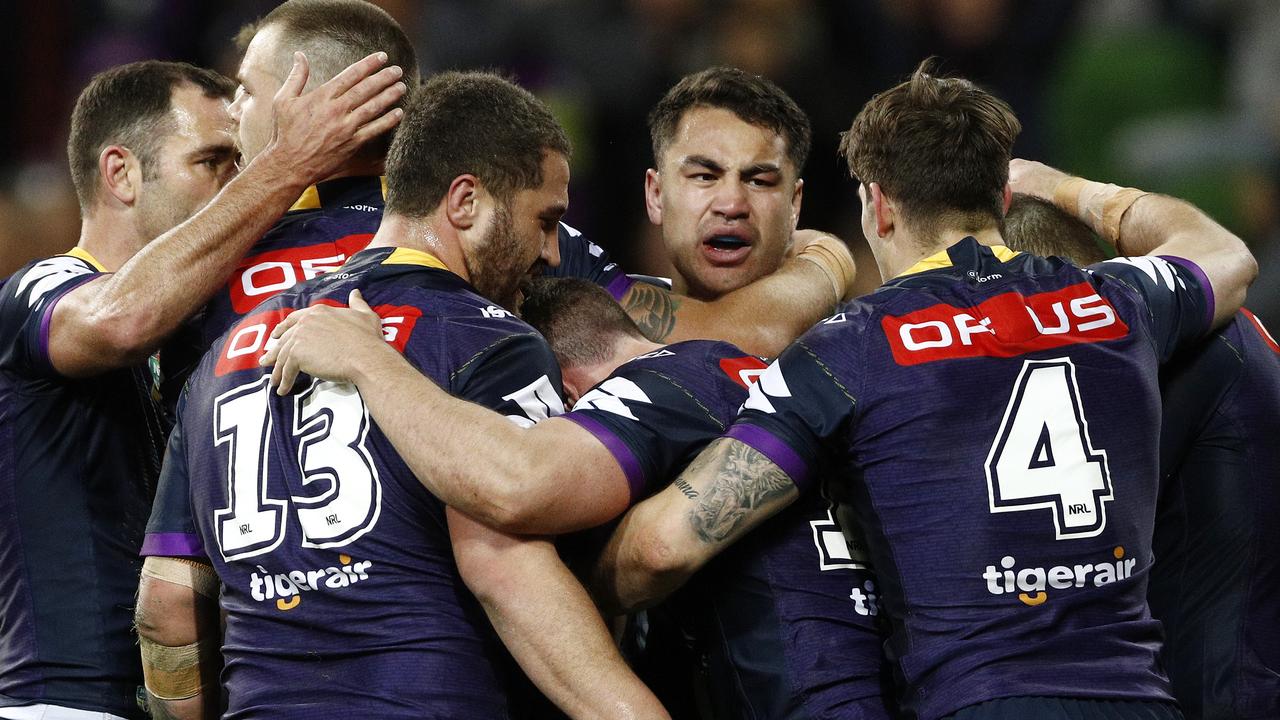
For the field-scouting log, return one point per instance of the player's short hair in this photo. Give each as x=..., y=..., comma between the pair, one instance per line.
x=580, y=320
x=469, y=123
x=1041, y=228
x=938, y=146
x=128, y=105
x=754, y=99
x=334, y=34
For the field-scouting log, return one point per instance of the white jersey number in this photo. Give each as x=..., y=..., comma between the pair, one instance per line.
x=1043, y=456
x=332, y=425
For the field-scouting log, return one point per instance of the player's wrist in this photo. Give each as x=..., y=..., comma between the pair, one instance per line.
x=833, y=257
x=1100, y=205
x=371, y=362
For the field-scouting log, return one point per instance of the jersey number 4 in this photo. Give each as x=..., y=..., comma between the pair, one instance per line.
x=1043, y=457
x=330, y=425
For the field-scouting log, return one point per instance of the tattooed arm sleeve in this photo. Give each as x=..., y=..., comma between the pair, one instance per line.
x=727, y=490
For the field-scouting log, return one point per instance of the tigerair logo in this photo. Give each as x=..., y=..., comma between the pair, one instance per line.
x=286, y=588
x=1032, y=584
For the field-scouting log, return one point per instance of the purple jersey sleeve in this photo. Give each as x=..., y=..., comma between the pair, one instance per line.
x=581, y=258
x=171, y=531
x=26, y=310
x=650, y=424
x=799, y=408
x=1177, y=295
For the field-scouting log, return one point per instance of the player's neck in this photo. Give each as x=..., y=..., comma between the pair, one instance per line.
x=110, y=239
x=896, y=256
x=580, y=378
x=422, y=234
x=359, y=168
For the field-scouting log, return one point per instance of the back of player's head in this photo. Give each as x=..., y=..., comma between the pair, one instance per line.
x=579, y=319
x=129, y=106
x=938, y=146
x=334, y=34
x=1042, y=228
x=752, y=98
x=474, y=123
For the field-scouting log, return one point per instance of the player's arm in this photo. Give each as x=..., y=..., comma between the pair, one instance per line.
x=120, y=318
x=548, y=622
x=179, y=638
x=1139, y=223
x=761, y=318
x=549, y=478
x=726, y=491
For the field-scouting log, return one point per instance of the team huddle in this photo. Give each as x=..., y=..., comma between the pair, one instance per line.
x=328, y=413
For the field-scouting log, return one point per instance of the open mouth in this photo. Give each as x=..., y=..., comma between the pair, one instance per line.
x=726, y=249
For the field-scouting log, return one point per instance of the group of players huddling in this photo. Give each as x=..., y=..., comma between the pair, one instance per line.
x=1003, y=485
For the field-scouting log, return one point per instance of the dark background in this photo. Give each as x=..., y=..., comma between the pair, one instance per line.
x=1181, y=96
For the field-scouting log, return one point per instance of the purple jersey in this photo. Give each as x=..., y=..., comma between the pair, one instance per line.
x=80, y=460
x=1216, y=572
x=996, y=414
x=787, y=617
x=330, y=222
x=337, y=571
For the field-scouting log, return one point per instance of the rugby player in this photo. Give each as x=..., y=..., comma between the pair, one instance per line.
x=768, y=608
x=728, y=151
x=331, y=219
x=337, y=569
x=150, y=144
x=998, y=414
x=1218, y=495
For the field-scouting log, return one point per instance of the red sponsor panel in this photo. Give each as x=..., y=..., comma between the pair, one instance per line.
x=1005, y=325
x=263, y=275
x=743, y=370
x=1262, y=330
x=252, y=336
x=247, y=341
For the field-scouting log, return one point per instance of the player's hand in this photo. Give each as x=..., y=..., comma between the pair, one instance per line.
x=316, y=132
x=1034, y=178
x=323, y=341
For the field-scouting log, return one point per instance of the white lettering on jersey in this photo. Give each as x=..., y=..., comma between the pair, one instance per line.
x=834, y=550
x=654, y=354
x=538, y=400
x=493, y=311
x=1158, y=269
x=835, y=319
x=770, y=384
x=49, y=274
x=609, y=395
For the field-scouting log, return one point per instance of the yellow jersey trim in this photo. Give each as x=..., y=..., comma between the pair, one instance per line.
x=310, y=199
x=79, y=252
x=942, y=260
x=409, y=256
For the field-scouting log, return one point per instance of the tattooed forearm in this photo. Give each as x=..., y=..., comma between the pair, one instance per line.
x=653, y=309
x=745, y=480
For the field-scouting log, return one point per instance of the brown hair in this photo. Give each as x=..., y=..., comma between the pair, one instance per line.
x=129, y=105
x=334, y=34
x=938, y=146
x=752, y=98
x=1042, y=228
x=472, y=122
x=579, y=319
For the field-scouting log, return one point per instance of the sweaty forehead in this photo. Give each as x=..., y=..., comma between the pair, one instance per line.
x=265, y=59
x=720, y=135
x=200, y=117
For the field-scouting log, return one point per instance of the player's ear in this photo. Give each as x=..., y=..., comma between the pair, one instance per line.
x=462, y=201
x=120, y=172
x=885, y=212
x=796, y=196
x=1008, y=199
x=653, y=195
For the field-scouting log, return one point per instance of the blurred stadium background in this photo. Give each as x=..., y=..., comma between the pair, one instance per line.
x=1181, y=96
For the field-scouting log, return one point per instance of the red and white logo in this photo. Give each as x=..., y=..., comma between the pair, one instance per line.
x=743, y=370
x=1006, y=325
x=252, y=336
x=263, y=275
